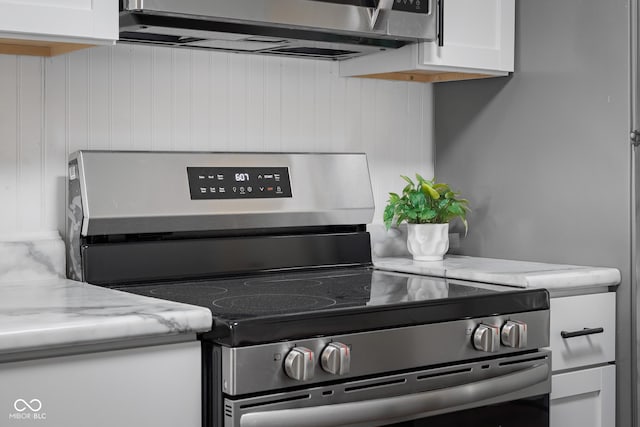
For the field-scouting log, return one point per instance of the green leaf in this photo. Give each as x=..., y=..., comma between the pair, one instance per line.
x=428, y=190
x=428, y=215
x=389, y=213
x=417, y=199
x=441, y=188
x=456, y=209
x=406, y=178
x=421, y=180
x=442, y=203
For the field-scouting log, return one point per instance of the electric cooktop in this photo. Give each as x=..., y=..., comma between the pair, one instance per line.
x=254, y=309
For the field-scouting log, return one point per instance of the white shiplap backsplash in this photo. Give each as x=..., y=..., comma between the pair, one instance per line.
x=152, y=98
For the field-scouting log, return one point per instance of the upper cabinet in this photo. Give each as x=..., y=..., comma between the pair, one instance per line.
x=51, y=27
x=478, y=42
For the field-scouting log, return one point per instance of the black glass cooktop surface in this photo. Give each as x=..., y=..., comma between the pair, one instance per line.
x=278, y=306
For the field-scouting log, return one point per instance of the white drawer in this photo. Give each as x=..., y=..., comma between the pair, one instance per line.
x=574, y=314
x=584, y=398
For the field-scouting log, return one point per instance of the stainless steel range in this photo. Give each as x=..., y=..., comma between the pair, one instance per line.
x=305, y=332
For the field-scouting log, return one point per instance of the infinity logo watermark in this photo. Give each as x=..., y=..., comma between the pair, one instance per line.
x=27, y=410
x=21, y=405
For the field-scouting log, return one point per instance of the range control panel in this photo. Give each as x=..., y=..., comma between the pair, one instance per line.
x=238, y=182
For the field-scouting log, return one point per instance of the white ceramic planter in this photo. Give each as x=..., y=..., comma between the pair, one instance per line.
x=428, y=242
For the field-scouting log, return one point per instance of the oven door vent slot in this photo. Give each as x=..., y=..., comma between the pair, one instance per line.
x=273, y=402
x=375, y=385
x=444, y=374
x=228, y=411
x=516, y=362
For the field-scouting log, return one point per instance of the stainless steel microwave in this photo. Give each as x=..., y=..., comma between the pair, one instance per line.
x=325, y=29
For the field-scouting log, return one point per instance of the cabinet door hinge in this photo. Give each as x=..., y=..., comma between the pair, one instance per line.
x=635, y=138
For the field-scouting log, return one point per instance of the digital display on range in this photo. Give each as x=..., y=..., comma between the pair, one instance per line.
x=207, y=183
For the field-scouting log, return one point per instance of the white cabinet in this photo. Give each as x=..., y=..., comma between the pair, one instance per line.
x=580, y=313
x=584, y=376
x=584, y=398
x=33, y=26
x=479, y=40
x=156, y=386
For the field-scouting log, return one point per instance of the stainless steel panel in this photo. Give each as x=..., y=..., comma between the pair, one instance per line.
x=74, y=225
x=143, y=192
x=299, y=14
x=260, y=368
x=635, y=212
x=635, y=281
x=247, y=43
x=400, y=397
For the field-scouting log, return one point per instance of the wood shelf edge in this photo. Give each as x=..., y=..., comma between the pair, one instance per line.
x=38, y=47
x=427, y=76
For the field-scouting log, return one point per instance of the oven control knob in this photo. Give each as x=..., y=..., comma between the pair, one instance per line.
x=486, y=338
x=336, y=358
x=514, y=334
x=299, y=364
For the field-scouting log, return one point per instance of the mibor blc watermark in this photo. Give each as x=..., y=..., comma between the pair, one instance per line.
x=27, y=410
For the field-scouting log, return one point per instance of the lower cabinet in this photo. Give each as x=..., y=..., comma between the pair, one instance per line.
x=583, y=384
x=156, y=386
x=584, y=398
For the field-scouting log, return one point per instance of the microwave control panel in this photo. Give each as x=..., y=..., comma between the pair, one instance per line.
x=223, y=183
x=415, y=6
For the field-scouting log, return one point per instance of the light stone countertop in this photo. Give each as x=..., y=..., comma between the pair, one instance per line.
x=31, y=256
x=521, y=274
x=41, y=310
x=54, y=313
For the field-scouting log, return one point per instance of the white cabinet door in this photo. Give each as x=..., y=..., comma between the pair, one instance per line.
x=77, y=21
x=479, y=41
x=156, y=386
x=584, y=398
x=479, y=36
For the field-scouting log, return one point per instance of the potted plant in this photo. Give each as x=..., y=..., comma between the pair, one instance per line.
x=427, y=207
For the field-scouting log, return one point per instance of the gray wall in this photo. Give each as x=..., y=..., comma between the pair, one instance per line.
x=544, y=155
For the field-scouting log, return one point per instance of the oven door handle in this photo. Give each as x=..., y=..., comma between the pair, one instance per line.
x=393, y=408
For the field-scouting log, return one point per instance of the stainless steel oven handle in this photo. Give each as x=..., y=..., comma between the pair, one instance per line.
x=379, y=410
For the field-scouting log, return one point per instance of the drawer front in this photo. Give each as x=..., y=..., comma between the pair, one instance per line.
x=577, y=315
x=584, y=398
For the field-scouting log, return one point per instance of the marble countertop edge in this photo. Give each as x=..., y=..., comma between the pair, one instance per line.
x=522, y=274
x=57, y=313
x=121, y=328
x=44, y=344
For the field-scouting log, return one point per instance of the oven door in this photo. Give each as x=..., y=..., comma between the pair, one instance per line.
x=508, y=392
